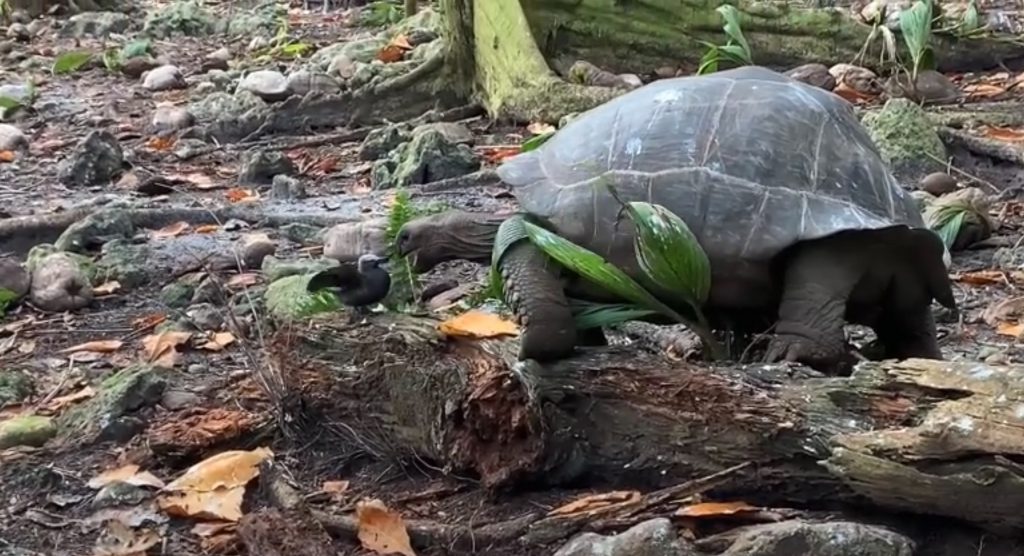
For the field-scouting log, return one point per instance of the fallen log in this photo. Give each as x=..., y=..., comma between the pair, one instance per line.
x=919, y=436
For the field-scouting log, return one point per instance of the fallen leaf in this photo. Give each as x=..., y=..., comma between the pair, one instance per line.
x=148, y=321
x=214, y=487
x=382, y=530
x=1010, y=329
x=99, y=346
x=852, y=95
x=335, y=488
x=207, y=229
x=162, y=348
x=172, y=230
x=239, y=195
x=1003, y=134
x=478, y=324
x=219, y=341
x=7, y=156
x=496, y=154
x=979, y=91
x=126, y=474
x=1003, y=310
x=540, y=128
x=221, y=503
x=243, y=280
x=981, y=277
x=391, y=54
x=212, y=528
x=107, y=288
x=60, y=402
x=715, y=509
x=117, y=539
x=161, y=143
x=597, y=503
x=401, y=41
x=196, y=179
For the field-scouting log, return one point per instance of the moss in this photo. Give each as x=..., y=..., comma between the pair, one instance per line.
x=906, y=138
x=28, y=430
x=287, y=299
x=119, y=394
x=15, y=386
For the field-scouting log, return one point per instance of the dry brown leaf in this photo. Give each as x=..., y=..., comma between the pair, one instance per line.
x=597, y=503
x=478, y=324
x=207, y=229
x=540, y=128
x=196, y=179
x=335, y=488
x=982, y=277
x=118, y=539
x=219, y=341
x=1006, y=134
x=107, y=288
x=162, y=349
x=222, y=503
x=125, y=474
x=382, y=530
x=212, y=528
x=161, y=143
x=7, y=156
x=60, y=402
x=390, y=54
x=1003, y=310
x=148, y=321
x=241, y=195
x=228, y=469
x=498, y=153
x=979, y=91
x=99, y=346
x=1010, y=329
x=715, y=509
x=243, y=280
x=172, y=230
x=852, y=95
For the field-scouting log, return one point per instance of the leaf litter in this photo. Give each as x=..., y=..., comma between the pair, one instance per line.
x=214, y=487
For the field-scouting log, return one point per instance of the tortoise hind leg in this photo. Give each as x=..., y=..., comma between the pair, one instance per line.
x=534, y=291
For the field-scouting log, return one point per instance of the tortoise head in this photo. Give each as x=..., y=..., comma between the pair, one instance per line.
x=431, y=240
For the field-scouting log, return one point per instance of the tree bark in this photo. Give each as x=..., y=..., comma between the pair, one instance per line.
x=918, y=436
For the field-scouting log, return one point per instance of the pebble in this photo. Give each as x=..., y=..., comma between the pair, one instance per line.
x=269, y=85
x=302, y=82
x=205, y=316
x=19, y=32
x=254, y=248
x=164, y=78
x=135, y=67
x=938, y=184
x=218, y=59
x=172, y=118
x=817, y=75
x=342, y=66
x=12, y=138
x=286, y=187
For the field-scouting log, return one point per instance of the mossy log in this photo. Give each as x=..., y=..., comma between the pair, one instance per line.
x=514, y=43
x=918, y=436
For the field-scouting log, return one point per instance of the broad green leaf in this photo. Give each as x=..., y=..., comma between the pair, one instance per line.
x=669, y=253
x=7, y=297
x=135, y=49
x=536, y=141
x=71, y=61
x=971, y=21
x=916, y=27
x=709, y=62
x=735, y=54
x=951, y=229
x=8, y=103
x=732, y=26
x=588, y=314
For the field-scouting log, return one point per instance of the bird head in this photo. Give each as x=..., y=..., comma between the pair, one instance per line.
x=369, y=261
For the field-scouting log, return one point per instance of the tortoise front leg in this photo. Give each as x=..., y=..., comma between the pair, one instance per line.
x=534, y=291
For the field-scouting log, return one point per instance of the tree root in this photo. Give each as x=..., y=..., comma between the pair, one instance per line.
x=481, y=178
x=1006, y=114
x=982, y=146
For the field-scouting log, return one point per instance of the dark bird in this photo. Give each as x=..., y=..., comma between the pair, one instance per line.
x=359, y=285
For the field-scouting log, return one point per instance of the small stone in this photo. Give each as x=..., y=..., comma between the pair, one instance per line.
x=859, y=79
x=37, y=26
x=171, y=118
x=205, y=316
x=382, y=140
x=258, y=42
x=14, y=278
x=19, y=32
x=15, y=387
x=275, y=269
x=817, y=75
x=836, y=538
x=121, y=429
x=179, y=399
x=218, y=59
x=302, y=82
x=97, y=160
x=137, y=66
x=428, y=157
x=342, y=66
x=12, y=138
x=931, y=87
x=269, y=85
x=453, y=132
x=665, y=72
x=345, y=242
x=631, y=80
x=254, y=248
x=938, y=184
x=585, y=73
x=60, y=284
x=118, y=493
x=96, y=24
x=261, y=166
x=22, y=94
x=27, y=430
x=203, y=88
x=655, y=537
x=286, y=187
x=164, y=78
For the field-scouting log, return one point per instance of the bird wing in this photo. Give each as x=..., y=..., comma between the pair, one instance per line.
x=345, y=276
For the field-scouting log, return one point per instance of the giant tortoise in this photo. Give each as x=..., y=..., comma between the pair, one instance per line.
x=801, y=220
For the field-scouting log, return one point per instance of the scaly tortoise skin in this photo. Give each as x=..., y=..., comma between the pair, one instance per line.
x=803, y=222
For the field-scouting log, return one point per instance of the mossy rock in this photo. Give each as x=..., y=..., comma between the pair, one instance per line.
x=96, y=229
x=275, y=269
x=189, y=18
x=15, y=386
x=27, y=430
x=907, y=139
x=287, y=299
x=119, y=394
x=430, y=156
x=124, y=262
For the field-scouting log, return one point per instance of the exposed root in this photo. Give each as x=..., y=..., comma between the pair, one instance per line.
x=982, y=146
x=482, y=178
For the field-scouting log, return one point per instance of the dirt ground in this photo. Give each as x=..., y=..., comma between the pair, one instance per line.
x=213, y=401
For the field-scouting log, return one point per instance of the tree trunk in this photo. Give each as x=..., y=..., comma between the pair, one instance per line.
x=919, y=436
x=513, y=79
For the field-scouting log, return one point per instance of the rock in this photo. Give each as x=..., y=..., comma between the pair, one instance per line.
x=269, y=85
x=19, y=32
x=303, y=234
x=276, y=269
x=171, y=118
x=138, y=66
x=179, y=399
x=814, y=74
x=120, y=394
x=37, y=26
x=931, y=88
x=342, y=67
x=118, y=493
x=96, y=24
x=304, y=81
x=362, y=51
x=631, y=80
x=59, y=283
x=27, y=430
x=126, y=262
x=13, y=278
x=254, y=248
x=218, y=59
x=12, y=138
x=585, y=73
x=286, y=187
x=95, y=230
x=164, y=78
x=261, y=166
x=345, y=242
x=820, y=539
x=202, y=89
x=22, y=94
x=97, y=160
x=287, y=299
x=382, y=140
x=655, y=537
x=859, y=79
x=224, y=81
x=223, y=106
x=906, y=138
x=205, y=316
x=184, y=17
x=938, y=184
x=15, y=387
x=453, y=132
x=429, y=156
x=177, y=294
x=121, y=429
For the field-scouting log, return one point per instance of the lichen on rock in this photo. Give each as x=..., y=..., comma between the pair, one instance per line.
x=429, y=156
x=26, y=430
x=906, y=138
x=120, y=394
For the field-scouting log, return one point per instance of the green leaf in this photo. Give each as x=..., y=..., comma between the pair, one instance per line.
x=735, y=54
x=971, y=20
x=8, y=103
x=916, y=27
x=669, y=253
x=588, y=314
x=135, y=49
x=951, y=229
x=536, y=141
x=296, y=49
x=7, y=297
x=112, y=60
x=709, y=62
x=732, y=27
x=70, y=62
